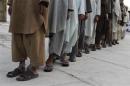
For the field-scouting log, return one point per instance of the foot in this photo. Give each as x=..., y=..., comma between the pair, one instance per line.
x=49, y=64
x=79, y=54
x=29, y=74
x=116, y=42
x=110, y=44
x=113, y=42
x=72, y=58
x=98, y=47
x=104, y=45
x=65, y=61
x=16, y=72
x=87, y=51
x=48, y=68
x=93, y=48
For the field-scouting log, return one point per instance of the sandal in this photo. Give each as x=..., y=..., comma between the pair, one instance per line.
x=65, y=60
x=48, y=68
x=28, y=75
x=16, y=72
x=65, y=63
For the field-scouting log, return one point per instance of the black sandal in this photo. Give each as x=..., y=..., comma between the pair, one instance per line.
x=48, y=68
x=28, y=75
x=16, y=72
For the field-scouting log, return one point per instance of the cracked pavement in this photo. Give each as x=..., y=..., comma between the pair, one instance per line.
x=106, y=67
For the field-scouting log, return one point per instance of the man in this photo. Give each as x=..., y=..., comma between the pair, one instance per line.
x=59, y=11
x=103, y=31
x=71, y=33
x=81, y=44
x=86, y=39
x=122, y=23
x=91, y=23
x=28, y=25
x=116, y=17
x=126, y=21
x=83, y=7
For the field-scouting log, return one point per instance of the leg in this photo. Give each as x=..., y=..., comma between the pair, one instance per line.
x=73, y=54
x=34, y=46
x=18, y=55
x=55, y=49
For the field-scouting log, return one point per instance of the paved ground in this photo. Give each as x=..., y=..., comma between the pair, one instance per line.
x=107, y=67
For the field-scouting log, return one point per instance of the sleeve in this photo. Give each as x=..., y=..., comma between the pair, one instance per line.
x=45, y=2
x=10, y=2
x=98, y=7
x=88, y=6
x=71, y=5
x=82, y=7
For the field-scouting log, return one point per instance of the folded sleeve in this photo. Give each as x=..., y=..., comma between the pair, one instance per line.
x=71, y=5
x=88, y=6
x=82, y=7
x=45, y=2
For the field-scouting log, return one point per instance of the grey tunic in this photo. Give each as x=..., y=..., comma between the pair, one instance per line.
x=59, y=10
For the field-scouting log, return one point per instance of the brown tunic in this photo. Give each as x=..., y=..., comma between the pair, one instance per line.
x=26, y=17
x=27, y=26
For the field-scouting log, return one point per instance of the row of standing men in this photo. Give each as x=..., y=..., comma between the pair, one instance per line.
x=73, y=27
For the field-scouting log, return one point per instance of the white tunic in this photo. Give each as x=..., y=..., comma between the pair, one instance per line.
x=96, y=10
x=116, y=15
x=73, y=23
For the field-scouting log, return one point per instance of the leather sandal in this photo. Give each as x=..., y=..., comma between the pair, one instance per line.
x=16, y=72
x=48, y=68
x=28, y=75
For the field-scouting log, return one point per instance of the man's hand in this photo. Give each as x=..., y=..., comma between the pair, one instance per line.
x=10, y=10
x=69, y=14
x=42, y=9
x=86, y=16
x=81, y=17
x=96, y=18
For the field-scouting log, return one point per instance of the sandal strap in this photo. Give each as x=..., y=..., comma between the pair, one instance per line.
x=15, y=72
